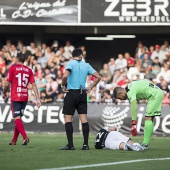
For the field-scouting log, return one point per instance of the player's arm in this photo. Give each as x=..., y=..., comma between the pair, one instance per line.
x=7, y=82
x=134, y=117
x=6, y=87
x=34, y=87
x=91, y=71
x=133, y=105
x=64, y=80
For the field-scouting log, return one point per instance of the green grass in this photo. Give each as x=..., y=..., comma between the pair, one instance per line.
x=43, y=152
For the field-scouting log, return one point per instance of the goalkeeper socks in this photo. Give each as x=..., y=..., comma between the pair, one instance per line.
x=16, y=134
x=69, y=133
x=148, y=130
x=85, y=129
x=20, y=127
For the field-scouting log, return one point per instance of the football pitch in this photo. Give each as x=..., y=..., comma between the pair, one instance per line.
x=43, y=153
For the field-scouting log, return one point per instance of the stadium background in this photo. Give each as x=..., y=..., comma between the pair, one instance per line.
x=54, y=22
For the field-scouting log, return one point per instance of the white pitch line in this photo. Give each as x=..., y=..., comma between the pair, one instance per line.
x=106, y=164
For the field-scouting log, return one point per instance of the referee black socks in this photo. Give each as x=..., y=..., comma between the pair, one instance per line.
x=69, y=133
x=85, y=129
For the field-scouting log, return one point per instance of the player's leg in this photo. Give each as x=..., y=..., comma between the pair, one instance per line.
x=19, y=108
x=154, y=106
x=26, y=139
x=68, y=111
x=82, y=111
x=16, y=132
x=85, y=130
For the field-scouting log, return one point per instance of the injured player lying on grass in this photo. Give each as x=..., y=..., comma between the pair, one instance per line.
x=110, y=138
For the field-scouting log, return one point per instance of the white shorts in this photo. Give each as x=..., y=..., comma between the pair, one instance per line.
x=114, y=139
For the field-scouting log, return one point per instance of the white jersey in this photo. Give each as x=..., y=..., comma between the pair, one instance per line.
x=112, y=140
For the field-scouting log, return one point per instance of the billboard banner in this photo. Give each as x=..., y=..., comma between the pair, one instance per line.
x=49, y=118
x=126, y=12
x=38, y=11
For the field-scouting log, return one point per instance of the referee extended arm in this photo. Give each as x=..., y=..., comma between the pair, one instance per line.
x=96, y=81
x=64, y=81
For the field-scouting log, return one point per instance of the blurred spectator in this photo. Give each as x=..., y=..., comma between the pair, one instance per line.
x=41, y=83
x=143, y=51
x=84, y=53
x=156, y=66
x=105, y=73
x=52, y=88
x=53, y=69
x=121, y=66
x=112, y=65
x=31, y=48
x=19, y=46
x=7, y=46
x=36, y=53
x=59, y=80
x=43, y=48
x=32, y=99
x=42, y=60
x=60, y=97
x=68, y=50
x=2, y=66
x=13, y=51
x=146, y=63
x=166, y=100
x=164, y=86
x=8, y=60
x=139, y=49
x=45, y=98
x=133, y=72
x=165, y=73
x=158, y=53
x=39, y=70
x=165, y=47
x=61, y=53
x=130, y=60
x=54, y=47
x=26, y=52
x=124, y=81
x=161, y=79
x=48, y=53
x=47, y=73
x=107, y=98
x=151, y=50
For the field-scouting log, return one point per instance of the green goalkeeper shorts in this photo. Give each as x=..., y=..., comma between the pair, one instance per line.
x=154, y=104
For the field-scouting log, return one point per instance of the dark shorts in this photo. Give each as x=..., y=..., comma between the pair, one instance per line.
x=18, y=108
x=75, y=101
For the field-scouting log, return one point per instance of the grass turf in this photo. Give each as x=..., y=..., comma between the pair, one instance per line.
x=43, y=152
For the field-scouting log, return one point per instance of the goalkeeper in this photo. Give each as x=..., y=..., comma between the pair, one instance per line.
x=137, y=90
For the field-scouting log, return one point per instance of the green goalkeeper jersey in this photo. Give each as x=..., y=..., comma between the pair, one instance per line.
x=137, y=90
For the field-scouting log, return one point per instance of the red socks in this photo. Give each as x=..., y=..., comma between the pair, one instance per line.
x=16, y=134
x=20, y=128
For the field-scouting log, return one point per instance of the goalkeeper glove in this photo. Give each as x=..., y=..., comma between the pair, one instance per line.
x=133, y=128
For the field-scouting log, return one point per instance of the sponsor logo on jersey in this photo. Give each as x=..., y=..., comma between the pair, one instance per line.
x=24, y=90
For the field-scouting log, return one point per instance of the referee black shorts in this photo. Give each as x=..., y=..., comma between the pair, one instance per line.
x=75, y=101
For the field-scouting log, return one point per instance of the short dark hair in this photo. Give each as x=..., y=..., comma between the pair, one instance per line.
x=117, y=91
x=21, y=57
x=77, y=52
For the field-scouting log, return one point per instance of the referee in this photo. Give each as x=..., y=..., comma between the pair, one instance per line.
x=75, y=76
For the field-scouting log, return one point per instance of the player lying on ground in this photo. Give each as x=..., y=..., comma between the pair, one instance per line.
x=137, y=90
x=19, y=76
x=109, y=138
